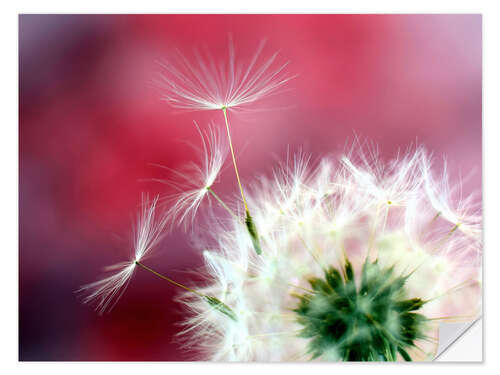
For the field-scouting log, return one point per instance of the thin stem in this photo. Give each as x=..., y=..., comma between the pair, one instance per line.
x=168, y=279
x=291, y=316
x=221, y=202
x=432, y=340
x=224, y=110
x=342, y=260
x=452, y=317
x=435, y=217
x=310, y=251
x=297, y=356
x=470, y=282
x=429, y=225
x=389, y=203
x=275, y=334
x=212, y=301
x=372, y=232
x=445, y=238
x=252, y=229
x=299, y=287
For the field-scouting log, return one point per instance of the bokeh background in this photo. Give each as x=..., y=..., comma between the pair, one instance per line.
x=91, y=125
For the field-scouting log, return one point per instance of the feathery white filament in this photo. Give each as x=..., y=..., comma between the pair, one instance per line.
x=148, y=231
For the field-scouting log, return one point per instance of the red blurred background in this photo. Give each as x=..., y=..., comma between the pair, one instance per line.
x=91, y=125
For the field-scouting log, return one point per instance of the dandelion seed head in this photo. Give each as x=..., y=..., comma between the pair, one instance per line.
x=148, y=232
x=210, y=85
x=196, y=179
x=449, y=202
x=380, y=218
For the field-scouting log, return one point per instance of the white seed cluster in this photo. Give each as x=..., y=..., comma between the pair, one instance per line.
x=310, y=217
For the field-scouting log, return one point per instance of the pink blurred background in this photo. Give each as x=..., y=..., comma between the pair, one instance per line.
x=90, y=125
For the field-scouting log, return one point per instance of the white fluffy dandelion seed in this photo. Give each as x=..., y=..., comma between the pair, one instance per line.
x=147, y=233
x=344, y=274
x=195, y=180
x=207, y=84
x=463, y=212
x=392, y=183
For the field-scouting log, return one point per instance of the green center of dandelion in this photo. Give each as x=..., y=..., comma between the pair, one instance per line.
x=372, y=321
